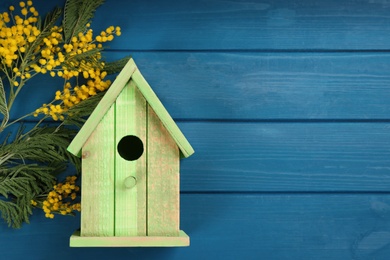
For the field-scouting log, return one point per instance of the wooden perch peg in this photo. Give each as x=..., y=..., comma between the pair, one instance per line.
x=130, y=182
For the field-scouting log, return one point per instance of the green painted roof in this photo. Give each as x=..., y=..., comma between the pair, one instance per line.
x=130, y=72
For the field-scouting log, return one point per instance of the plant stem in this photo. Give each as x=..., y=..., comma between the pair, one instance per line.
x=18, y=89
x=36, y=125
x=17, y=120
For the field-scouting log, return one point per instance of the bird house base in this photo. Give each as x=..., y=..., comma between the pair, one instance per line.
x=145, y=241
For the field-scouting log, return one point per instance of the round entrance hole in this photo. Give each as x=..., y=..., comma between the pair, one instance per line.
x=130, y=147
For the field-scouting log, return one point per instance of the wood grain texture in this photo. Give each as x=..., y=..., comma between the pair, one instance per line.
x=98, y=180
x=163, y=180
x=163, y=115
x=278, y=157
x=288, y=226
x=279, y=226
x=257, y=86
x=102, y=108
x=132, y=241
x=243, y=25
x=260, y=86
x=286, y=104
x=130, y=204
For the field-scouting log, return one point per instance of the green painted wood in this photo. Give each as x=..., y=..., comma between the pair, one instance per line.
x=130, y=182
x=163, y=179
x=185, y=147
x=110, y=97
x=97, y=193
x=130, y=204
x=141, y=210
x=101, y=109
x=142, y=241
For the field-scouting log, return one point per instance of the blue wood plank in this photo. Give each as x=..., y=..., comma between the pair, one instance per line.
x=239, y=24
x=270, y=85
x=277, y=157
x=247, y=88
x=348, y=226
x=254, y=85
x=280, y=157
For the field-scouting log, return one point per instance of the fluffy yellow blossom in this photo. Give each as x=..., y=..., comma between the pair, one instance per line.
x=61, y=200
x=50, y=54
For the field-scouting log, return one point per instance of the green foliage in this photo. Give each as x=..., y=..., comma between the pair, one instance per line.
x=80, y=112
x=3, y=105
x=48, y=24
x=11, y=213
x=28, y=166
x=31, y=159
x=116, y=66
x=84, y=58
x=77, y=14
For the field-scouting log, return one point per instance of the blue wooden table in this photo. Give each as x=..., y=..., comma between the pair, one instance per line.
x=287, y=106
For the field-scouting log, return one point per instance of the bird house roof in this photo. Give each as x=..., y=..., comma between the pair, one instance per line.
x=130, y=72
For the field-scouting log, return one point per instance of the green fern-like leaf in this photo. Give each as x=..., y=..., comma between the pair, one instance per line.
x=15, y=186
x=77, y=14
x=34, y=147
x=24, y=204
x=80, y=112
x=10, y=212
x=80, y=60
x=116, y=66
x=28, y=167
x=3, y=105
x=18, y=185
x=50, y=20
x=45, y=146
x=52, y=17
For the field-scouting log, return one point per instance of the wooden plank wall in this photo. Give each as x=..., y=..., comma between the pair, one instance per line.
x=286, y=104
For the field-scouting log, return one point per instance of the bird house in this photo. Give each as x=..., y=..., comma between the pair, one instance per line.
x=131, y=149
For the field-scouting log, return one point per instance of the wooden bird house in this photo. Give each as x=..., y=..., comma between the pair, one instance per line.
x=130, y=148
